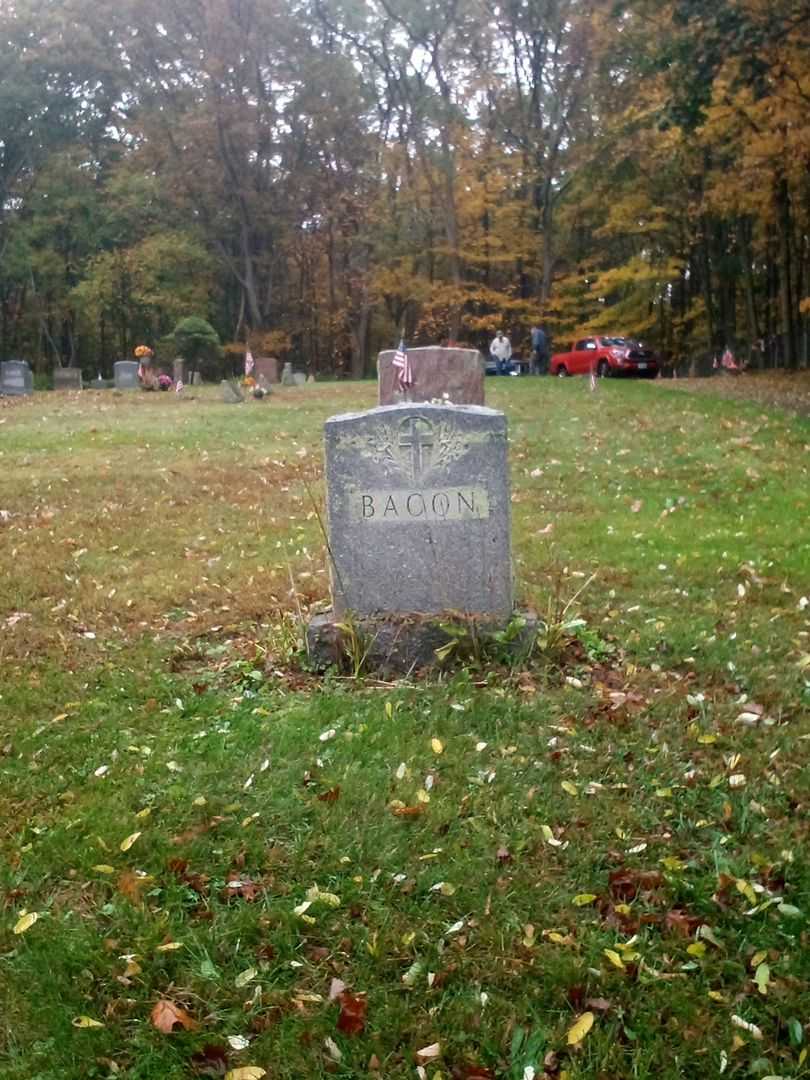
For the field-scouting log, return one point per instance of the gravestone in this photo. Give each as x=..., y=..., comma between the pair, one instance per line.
x=299, y=378
x=196, y=378
x=231, y=394
x=67, y=378
x=267, y=367
x=418, y=507
x=287, y=377
x=419, y=523
x=459, y=373
x=16, y=378
x=125, y=375
x=179, y=372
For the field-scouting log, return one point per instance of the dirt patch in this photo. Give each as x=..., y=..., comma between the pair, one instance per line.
x=772, y=390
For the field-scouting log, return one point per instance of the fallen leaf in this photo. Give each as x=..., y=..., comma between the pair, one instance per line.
x=246, y=1072
x=330, y=796
x=238, y=1042
x=103, y=868
x=614, y=958
x=25, y=921
x=197, y=830
x=128, y=841
x=244, y=977
x=352, y=1017
x=332, y=1049
x=86, y=1022
x=583, y=899
x=578, y=1031
x=428, y=1053
x=165, y=1014
x=408, y=811
x=212, y=1060
x=437, y=746
x=169, y=946
x=130, y=884
x=752, y=1029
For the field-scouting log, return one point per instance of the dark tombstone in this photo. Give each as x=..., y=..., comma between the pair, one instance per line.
x=16, y=378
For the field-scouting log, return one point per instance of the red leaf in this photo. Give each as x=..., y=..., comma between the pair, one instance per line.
x=212, y=1060
x=352, y=1018
x=330, y=796
x=627, y=884
x=197, y=830
x=408, y=811
x=680, y=923
x=166, y=1014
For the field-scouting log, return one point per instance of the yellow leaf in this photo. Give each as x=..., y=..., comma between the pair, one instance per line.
x=246, y=1072
x=103, y=868
x=147, y=810
x=578, y=1031
x=758, y=957
x=437, y=746
x=614, y=958
x=622, y=909
x=697, y=948
x=803, y=1056
x=126, y=844
x=25, y=922
x=715, y=995
x=170, y=946
x=583, y=899
x=569, y=788
x=762, y=977
x=244, y=977
x=86, y=1022
x=747, y=889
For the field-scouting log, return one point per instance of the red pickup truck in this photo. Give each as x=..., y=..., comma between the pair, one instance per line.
x=606, y=356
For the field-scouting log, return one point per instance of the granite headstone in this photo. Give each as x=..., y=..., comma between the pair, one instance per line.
x=231, y=394
x=458, y=373
x=67, y=378
x=16, y=378
x=266, y=366
x=125, y=375
x=418, y=506
x=287, y=377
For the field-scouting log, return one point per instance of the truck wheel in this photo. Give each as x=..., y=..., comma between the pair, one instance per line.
x=562, y=372
x=604, y=370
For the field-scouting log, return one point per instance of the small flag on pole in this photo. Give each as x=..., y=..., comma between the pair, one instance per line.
x=403, y=365
x=248, y=362
x=178, y=386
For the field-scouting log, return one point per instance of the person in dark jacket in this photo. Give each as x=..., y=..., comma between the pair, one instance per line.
x=539, y=351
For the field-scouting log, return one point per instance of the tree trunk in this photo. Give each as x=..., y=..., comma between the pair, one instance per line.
x=783, y=224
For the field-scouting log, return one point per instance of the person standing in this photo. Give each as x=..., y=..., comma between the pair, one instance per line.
x=500, y=350
x=539, y=351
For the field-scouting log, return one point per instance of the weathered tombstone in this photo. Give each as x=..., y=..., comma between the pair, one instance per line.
x=287, y=377
x=231, y=394
x=458, y=373
x=299, y=378
x=16, y=378
x=418, y=511
x=179, y=373
x=266, y=366
x=196, y=378
x=67, y=378
x=125, y=375
x=310, y=378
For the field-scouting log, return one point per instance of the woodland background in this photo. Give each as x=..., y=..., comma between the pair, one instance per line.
x=312, y=176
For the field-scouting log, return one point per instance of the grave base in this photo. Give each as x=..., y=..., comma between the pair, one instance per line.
x=397, y=645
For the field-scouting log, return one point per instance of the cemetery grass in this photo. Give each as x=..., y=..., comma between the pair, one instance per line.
x=611, y=833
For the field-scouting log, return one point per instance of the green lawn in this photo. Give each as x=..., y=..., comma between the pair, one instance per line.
x=614, y=830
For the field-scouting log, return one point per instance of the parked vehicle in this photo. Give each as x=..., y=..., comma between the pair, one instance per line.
x=606, y=356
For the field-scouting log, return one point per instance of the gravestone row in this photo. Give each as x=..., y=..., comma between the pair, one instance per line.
x=16, y=378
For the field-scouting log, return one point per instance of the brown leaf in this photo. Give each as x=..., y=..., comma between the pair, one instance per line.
x=408, y=811
x=166, y=1014
x=197, y=882
x=626, y=884
x=242, y=887
x=680, y=923
x=330, y=796
x=131, y=885
x=212, y=1060
x=352, y=1018
x=197, y=830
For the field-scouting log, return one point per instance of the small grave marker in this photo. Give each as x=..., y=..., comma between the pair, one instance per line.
x=16, y=378
x=125, y=375
x=67, y=378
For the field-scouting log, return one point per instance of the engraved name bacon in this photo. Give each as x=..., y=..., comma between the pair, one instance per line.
x=408, y=505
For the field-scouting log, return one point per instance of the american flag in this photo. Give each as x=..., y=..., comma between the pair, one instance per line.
x=178, y=386
x=403, y=364
x=248, y=362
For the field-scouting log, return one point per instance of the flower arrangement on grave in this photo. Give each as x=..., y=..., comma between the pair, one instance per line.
x=165, y=382
x=143, y=352
x=249, y=381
